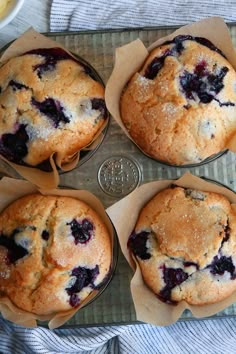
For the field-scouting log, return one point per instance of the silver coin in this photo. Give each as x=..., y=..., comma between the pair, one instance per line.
x=118, y=176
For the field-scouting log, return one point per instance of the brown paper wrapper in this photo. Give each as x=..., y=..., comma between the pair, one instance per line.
x=12, y=189
x=124, y=215
x=28, y=41
x=130, y=58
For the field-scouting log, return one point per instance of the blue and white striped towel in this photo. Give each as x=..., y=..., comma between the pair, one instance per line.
x=211, y=336
x=84, y=14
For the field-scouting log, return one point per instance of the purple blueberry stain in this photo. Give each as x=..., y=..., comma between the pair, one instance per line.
x=14, y=146
x=172, y=277
x=203, y=84
x=155, y=66
x=51, y=57
x=17, y=85
x=178, y=46
x=98, y=104
x=222, y=264
x=137, y=243
x=14, y=251
x=81, y=231
x=84, y=277
x=45, y=235
x=52, y=109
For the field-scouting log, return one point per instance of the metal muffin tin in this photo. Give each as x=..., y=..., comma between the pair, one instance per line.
x=119, y=166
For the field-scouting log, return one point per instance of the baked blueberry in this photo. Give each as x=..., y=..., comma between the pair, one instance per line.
x=222, y=264
x=14, y=146
x=84, y=277
x=99, y=105
x=81, y=231
x=45, y=235
x=17, y=85
x=15, y=251
x=137, y=243
x=52, y=109
x=172, y=277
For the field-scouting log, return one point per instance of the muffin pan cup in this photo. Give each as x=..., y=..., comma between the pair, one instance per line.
x=130, y=58
x=12, y=189
x=124, y=215
x=28, y=41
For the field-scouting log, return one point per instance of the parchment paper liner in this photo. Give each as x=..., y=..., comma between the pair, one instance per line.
x=28, y=41
x=124, y=215
x=12, y=189
x=130, y=58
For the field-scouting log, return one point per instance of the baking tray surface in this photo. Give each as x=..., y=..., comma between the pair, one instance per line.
x=118, y=167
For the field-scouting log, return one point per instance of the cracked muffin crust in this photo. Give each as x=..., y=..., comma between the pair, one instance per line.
x=180, y=107
x=185, y=243
x=54, y=251
x=49, y=102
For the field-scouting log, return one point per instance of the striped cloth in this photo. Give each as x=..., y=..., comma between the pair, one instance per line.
x=84, y=14
x=211, y=336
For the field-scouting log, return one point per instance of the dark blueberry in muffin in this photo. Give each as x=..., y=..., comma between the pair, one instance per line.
x=52, y=109
x=17, y=85
x=172, y=277
x=84, y=277
x=15, y=251
x=221, y=265
x=81, y=231
x=13, y=146
x=99, y=105
x=155, y=66
x=191, y=264
x=137, y=243
x=202, y=83
x=52, y=56
x=45, y=235
x=178, y=40
x=74, y=300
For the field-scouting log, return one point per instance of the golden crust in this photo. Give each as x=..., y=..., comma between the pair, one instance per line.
x=37, y=282
x=166, y=123
x=189, y=231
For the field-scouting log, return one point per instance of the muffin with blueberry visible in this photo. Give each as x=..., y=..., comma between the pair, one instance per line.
x=49, y=103
x=185, y=244
x=54, y=252
x=180, y=107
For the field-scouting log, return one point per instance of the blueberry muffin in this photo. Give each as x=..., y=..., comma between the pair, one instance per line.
x=180, y=106
x=185, y=244
x=49, y=102
x=54, y=251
